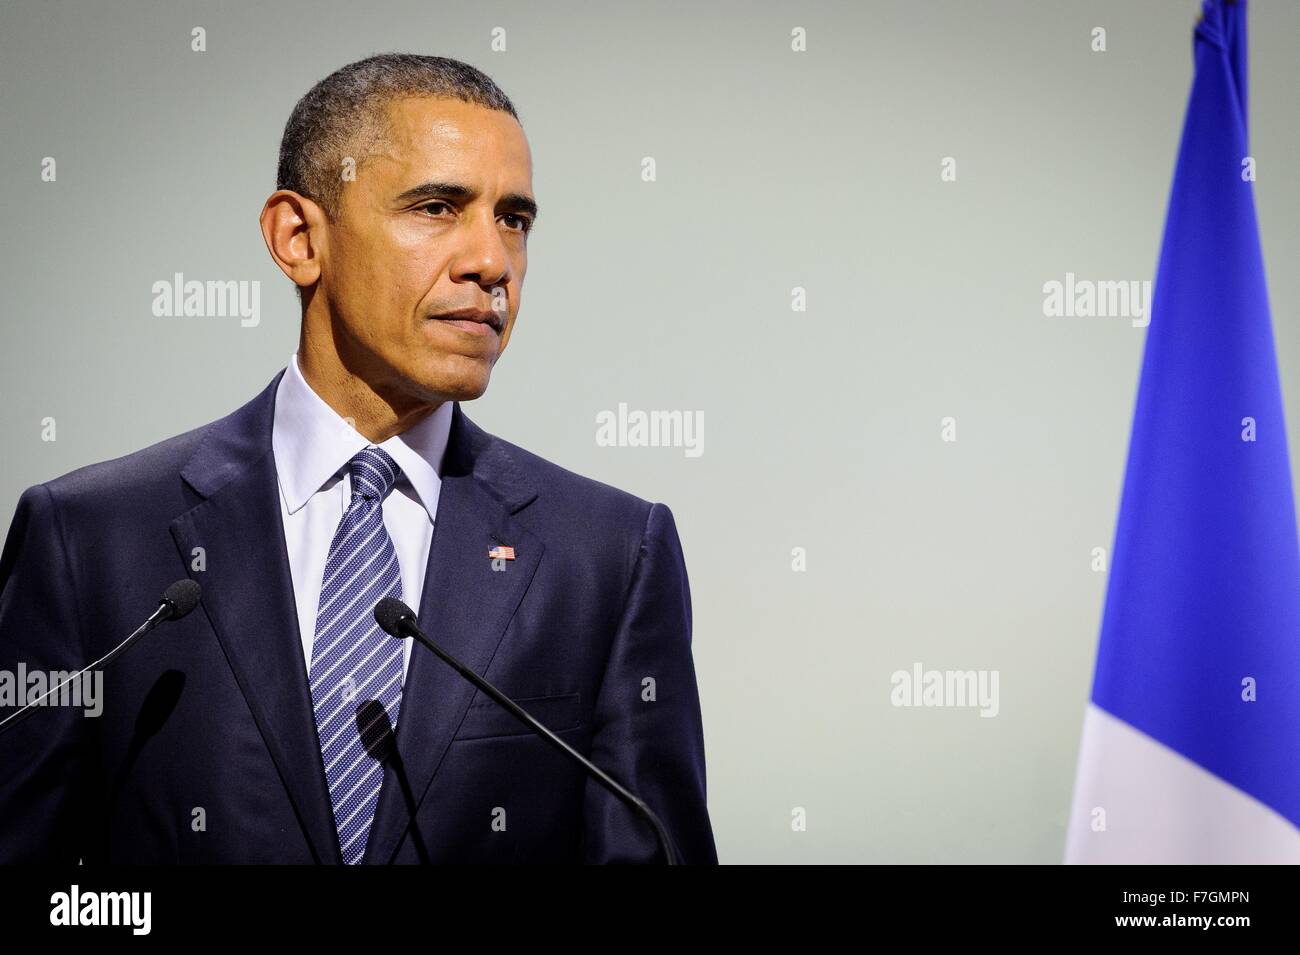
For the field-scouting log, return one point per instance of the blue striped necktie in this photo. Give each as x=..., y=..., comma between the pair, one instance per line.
x=356, y=668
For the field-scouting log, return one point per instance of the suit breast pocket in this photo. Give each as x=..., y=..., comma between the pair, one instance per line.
x=485, y=719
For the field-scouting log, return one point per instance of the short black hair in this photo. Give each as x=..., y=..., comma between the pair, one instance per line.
x=345, y=115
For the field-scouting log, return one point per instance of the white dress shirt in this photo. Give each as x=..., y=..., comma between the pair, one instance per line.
x=312, y=445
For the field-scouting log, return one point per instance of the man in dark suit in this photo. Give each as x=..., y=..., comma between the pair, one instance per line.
x=277, y=722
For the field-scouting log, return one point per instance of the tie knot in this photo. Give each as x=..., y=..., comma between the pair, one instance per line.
x=374, y=473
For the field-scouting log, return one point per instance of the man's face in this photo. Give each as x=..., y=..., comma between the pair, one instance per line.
x=435, y=222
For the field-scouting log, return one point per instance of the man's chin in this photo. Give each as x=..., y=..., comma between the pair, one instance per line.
x=451, y=388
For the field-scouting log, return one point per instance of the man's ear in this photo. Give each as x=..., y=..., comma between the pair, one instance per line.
x=294, y=228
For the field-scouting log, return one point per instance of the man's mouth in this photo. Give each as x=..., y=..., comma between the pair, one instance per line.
x=474, y=321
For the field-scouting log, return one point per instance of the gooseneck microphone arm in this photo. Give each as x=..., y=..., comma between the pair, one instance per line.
x=178, y=600
x=398, y=620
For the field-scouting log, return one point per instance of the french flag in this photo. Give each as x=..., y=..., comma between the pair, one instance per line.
x=1191, y=742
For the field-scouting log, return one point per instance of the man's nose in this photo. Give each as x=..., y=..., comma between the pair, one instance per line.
x=483, y=256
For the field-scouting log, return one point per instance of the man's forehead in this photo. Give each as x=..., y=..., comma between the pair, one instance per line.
x=424, y=123
x=451, y=140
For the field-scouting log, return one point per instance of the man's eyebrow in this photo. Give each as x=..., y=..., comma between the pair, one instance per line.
x=514, y=202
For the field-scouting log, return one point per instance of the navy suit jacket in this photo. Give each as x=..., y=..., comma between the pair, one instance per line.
x=206, y=749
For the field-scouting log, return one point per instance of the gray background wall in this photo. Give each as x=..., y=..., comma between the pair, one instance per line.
x=775, y=170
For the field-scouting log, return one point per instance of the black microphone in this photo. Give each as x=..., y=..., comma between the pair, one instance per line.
x=399, y=620
x=177, y=600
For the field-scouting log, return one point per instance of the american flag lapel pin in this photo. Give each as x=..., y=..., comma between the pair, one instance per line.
x=502, y=552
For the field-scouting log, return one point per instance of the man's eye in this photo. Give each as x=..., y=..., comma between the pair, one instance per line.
x=525, y=224
x=430, y=205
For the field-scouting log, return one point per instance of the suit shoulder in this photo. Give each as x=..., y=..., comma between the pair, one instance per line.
x=583, y=500
x=145, y=471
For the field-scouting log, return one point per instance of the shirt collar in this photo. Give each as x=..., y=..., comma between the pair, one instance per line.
x=312, y=443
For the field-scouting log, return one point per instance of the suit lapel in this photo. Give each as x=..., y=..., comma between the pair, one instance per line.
x=249, y=600
x=465, y=607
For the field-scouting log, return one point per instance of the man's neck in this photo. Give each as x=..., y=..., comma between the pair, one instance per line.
x=375, y=416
